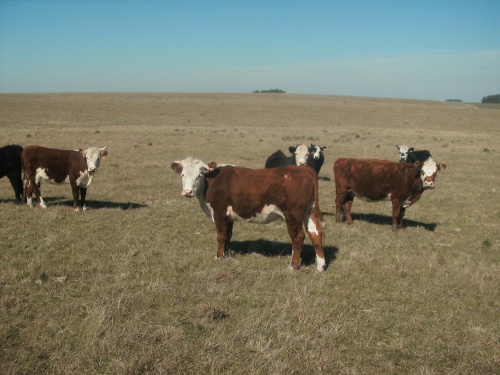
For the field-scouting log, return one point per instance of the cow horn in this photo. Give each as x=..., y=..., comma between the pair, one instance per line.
x=210, y=166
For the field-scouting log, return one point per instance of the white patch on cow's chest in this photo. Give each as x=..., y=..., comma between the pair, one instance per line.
x=268, y=214
x=84, y=180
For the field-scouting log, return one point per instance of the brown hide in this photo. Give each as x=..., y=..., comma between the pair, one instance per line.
x=376, y=180
x=58, y=164
x=292, y=189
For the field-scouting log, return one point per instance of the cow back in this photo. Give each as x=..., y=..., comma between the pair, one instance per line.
x=279, y=159
x=419, y=155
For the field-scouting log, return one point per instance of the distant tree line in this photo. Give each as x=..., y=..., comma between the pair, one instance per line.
x=491, y=99
x=270, y=91
x=454, y=100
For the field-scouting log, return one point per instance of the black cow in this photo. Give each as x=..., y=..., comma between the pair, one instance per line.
x=409, y=155
x=10, y=166
x=300, y=155
x=316, y=157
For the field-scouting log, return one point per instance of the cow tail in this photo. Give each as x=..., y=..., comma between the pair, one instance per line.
x=25, y=177
x=316, y=208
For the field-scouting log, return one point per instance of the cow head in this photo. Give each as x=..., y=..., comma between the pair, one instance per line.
x=429, y=171
x=301, y=153
x=315, y=151
x=93, y=156
x=193, y=172
x=403, y=152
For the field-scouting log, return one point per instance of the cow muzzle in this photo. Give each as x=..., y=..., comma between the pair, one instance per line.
x=188, y=193
x=428, y=184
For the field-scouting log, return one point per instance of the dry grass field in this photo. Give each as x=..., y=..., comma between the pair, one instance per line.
x=131, y=285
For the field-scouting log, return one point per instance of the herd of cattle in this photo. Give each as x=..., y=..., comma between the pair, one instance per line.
x=286, y=189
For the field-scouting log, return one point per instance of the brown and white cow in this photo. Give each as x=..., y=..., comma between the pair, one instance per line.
x=378, y=180
x=60, y=166
x=229, y=193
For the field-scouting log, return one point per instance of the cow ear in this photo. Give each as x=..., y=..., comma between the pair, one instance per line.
x=441, y=167
x=411, y=149
x=397, y=146
x=323, y=148
x=82, y=152
x=212, y=165
x=292, y=149
x=176, y=167
x=104, y=154
x=417, y=164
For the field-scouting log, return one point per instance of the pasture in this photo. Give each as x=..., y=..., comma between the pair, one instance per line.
x=131, y=285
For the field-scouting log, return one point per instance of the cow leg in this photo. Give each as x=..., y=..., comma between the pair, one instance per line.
x=35, y=187
x=347, y=206
x=17, y=185
x=76, y=194
x=224, y=233
x=343, y=200
x=339, y=203
x=28, y=188
x=396, y=214
x=297, y=236
x=315, y=232
x=400, y=217
x=83, y=194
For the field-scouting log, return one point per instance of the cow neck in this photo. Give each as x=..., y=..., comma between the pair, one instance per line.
x=201, y=194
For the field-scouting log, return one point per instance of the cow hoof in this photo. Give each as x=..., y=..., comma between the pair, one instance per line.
x=320, y=264
x=84, y=208
x=290, y=268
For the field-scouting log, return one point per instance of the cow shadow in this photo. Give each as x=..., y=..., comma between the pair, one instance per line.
x=13, y=201
x=387, y=220
x=324, y=178
x=90, y=204
x=276, y=249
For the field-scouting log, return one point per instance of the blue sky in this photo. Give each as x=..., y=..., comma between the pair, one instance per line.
x=423, y=49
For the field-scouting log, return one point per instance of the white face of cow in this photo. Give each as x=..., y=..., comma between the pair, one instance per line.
x=301, y=154
x=192, y=172
x=315, y=150
x=93, y=155
x=403, y=152
x=428, y=173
